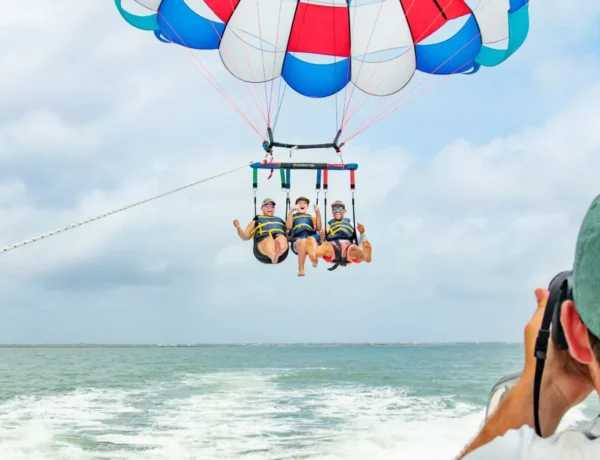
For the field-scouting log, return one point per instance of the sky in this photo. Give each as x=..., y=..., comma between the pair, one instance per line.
x=471, y=194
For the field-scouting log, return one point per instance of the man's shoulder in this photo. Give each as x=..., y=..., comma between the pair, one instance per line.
x=525, y=444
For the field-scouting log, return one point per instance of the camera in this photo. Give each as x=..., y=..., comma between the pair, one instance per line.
x=560, y=289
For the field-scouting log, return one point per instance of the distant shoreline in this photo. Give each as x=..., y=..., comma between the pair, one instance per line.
x=258, y=345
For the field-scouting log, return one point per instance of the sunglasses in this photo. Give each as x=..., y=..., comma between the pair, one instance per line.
x=269, y=205
x=338, y=208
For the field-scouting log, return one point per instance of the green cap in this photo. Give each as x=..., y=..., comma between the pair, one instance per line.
x=268, y=200
x=586, y=269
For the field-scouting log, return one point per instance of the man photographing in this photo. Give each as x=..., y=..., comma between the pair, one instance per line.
x=569, y=376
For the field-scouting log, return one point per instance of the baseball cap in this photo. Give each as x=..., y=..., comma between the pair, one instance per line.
x=268, y=200
x=338, y=203
x=586, y=269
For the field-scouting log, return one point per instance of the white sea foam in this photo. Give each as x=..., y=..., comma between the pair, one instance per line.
x=239, y=415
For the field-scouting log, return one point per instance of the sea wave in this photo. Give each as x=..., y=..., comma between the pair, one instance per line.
x=249, y=415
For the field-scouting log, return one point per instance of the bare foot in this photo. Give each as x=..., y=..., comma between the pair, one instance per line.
x=367, y=251
x=275, y=257
x=279, y=248
x=311, y=252
x=301, y=272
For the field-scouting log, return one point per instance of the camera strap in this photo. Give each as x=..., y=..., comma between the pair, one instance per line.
x=541, y=348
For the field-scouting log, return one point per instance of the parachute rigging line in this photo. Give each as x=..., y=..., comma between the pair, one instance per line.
x=425, y=32
x=257, y=101
x=377, y=66
x=124, y=208
x=395, y=102
x=280, y=102
x=216, y=85
x=323, y=50
x=341, y=259
x=347, y=107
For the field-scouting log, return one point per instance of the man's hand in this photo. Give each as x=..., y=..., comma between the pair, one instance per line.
x=361, y=228
x=236, y=223
x=565, y=383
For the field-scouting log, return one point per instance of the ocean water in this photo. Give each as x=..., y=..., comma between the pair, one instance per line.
x=250, y=403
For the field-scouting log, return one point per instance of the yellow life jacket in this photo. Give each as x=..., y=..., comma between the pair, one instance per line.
x=302, y=225
x=268, y=226
x=340, y=230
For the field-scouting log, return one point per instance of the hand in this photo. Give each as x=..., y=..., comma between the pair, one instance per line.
x=361, y=228
x=565, y=381
x=236, y=223
x=316, y=208
x=322, y=234
x=294, y=208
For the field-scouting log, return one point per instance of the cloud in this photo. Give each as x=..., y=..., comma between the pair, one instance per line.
x=468, y=207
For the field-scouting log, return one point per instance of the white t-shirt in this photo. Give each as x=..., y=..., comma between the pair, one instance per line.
x=525, y=444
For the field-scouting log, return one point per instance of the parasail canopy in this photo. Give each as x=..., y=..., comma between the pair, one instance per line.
x=320, y=47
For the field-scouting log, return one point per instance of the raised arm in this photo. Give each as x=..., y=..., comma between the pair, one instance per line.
x=289, y=221
x=319, y=221
x=360, y=229
x=244, y=234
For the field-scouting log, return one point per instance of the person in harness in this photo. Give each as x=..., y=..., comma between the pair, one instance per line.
x=340, y=245
x=303, y=227
x=268, y=231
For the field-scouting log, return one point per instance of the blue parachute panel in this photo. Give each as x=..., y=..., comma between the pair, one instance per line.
x=454, y=55
x=158, y=35
x=315, y=80
x=517, y=5
x=179, y=24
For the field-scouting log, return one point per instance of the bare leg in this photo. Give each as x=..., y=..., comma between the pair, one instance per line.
x=301, y=247
x=367, y=250
x=360, y=254
x=326, y=249
x=269, y=249
x=275, y=248
x=311, y=249
x=314, y=251
x=282, y=245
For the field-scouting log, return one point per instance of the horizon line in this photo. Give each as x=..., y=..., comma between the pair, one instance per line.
x=246, y=344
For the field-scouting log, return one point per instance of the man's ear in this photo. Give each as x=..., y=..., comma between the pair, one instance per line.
x=576, y=333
